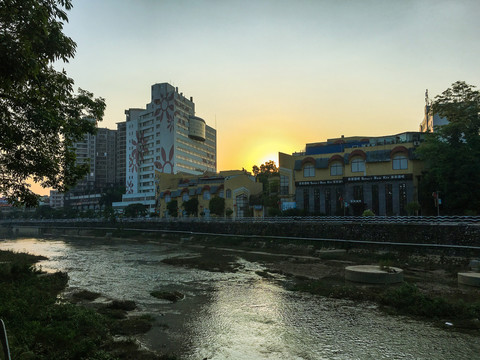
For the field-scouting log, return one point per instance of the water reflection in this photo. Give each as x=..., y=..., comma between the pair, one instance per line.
x=240, y=315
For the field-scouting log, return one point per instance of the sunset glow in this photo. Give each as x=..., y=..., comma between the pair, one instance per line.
x=271, y=76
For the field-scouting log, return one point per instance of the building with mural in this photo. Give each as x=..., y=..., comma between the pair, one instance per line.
x=349, y=175
x=235, y=186
x=165, y=137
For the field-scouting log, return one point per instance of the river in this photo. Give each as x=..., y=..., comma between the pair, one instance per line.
x=239, y=315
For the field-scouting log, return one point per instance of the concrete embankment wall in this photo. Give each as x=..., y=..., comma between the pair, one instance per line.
x=450, y=236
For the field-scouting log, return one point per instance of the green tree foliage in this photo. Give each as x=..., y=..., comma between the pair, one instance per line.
x=41, y=115
x=191, y=207
x=135, y=210
x=111, y=195
x=217, y=206
x=268, y=175
x=267, y=168
x=172, y=208
x=452, y=152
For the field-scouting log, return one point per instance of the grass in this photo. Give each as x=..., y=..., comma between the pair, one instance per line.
x=41, y=326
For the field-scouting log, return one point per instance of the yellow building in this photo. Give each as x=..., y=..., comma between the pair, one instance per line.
x=235, y=186
x=349, y=175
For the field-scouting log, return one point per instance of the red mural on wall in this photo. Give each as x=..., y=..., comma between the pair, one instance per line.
x=166, y=166
x=140, y=146
x=165, y=109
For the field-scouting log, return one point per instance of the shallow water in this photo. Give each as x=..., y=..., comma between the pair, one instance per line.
x=240, y=315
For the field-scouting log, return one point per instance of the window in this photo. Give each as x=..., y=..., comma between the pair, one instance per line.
x=375, y=200
x=358, y=165
x=328, y=201
x=336, y=169
x=389, y=199
x=358, y=193
x=283, y=185
x=229, y=194
x=402, y=198
x=316, y=200
x=185, y=197
x=306, y=200
x=308, y=170
x=206, y=195
x=167, y=199
x=400, y=162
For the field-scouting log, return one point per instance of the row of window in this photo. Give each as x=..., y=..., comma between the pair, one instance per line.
x=206, y=196
x=336, y=205
x=399, y=162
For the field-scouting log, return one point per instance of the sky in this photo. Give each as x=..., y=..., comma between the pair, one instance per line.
x=273, y=75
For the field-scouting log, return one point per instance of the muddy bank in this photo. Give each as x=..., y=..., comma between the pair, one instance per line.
x=429, y=291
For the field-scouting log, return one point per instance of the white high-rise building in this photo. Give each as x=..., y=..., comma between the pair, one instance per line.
x=167, y=137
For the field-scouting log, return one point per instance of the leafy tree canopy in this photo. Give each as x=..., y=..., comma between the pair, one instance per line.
x=217, y=205
x=135, y=210
x=172, y=207
x=452, y=152
x=267, y=168
x=191, y=206
x=40, y=114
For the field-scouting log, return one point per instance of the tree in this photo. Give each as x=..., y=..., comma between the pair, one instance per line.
x=217, y=205
x=110, y=195
x=135, y=210
x=172, y=208
x=41, y=115
x=191, y=207
x=268, y=175
x=452, y=152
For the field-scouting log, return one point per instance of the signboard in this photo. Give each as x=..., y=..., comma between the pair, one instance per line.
x=318, y=182
x=356, y=179
x=288, y=205
x=379, y=178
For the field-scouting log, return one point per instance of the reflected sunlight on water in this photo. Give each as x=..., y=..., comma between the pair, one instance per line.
x=240, y=315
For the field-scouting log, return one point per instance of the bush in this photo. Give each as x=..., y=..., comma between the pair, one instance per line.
x=368, y=212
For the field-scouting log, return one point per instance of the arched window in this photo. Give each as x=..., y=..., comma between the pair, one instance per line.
x=206, y=195
x=400, y=162
x=358, y=165
x=336, y=168
x=308, y=170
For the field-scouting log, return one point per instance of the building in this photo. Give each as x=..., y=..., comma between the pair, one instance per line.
x=349, y=175
x=121, y=151
x=99, y=151
x=430, y=119
x=56, y=199
x=165, y=137
x=105, y=158
x=235, y=186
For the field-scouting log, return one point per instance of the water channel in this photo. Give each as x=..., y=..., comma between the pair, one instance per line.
x=239, y=315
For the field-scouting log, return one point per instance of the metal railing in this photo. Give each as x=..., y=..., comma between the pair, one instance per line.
x=418, y=220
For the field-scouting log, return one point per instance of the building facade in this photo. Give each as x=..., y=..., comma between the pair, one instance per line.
x=345, y=176
x=121, y=151
x=99, y=151
x=234, y=186
x=431, y=120
x=165, y=137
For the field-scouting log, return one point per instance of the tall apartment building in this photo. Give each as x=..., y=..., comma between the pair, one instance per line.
x=99, y=152
x=121, y=151
x=85, y=153
x=105, y=157
x=167, y=137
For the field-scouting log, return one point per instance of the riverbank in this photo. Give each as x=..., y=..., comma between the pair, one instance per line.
x=430, y=290
x=42, y=325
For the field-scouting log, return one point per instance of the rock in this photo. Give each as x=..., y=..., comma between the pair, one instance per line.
x=172, y=296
